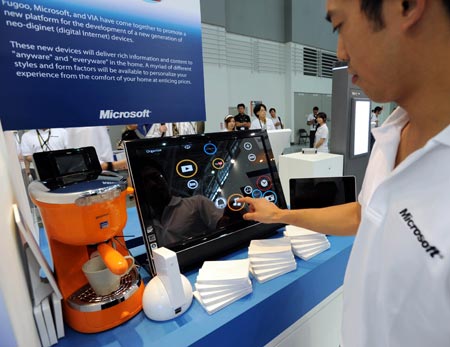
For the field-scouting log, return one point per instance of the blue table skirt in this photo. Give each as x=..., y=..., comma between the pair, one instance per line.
x=251, y=321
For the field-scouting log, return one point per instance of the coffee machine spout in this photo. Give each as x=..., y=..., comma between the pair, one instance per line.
x=113, y=259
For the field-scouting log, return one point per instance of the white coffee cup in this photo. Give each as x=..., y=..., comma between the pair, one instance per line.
x=101, y=279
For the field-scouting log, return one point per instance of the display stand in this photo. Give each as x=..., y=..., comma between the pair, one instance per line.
x=299, y=165
x=279, y=140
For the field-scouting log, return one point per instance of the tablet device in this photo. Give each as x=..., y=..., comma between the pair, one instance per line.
x=320, y=192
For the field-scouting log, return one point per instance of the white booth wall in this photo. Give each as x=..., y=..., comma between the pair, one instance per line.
x=240, y=69
x=13, y=286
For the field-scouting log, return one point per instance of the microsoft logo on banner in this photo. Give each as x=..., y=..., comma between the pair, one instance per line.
x=111, y=114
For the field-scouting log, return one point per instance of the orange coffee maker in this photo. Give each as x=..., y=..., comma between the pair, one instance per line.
x=84, y=211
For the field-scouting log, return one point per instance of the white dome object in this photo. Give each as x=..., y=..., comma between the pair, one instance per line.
x=156, y=301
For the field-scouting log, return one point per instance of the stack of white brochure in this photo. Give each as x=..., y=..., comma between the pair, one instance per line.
x=270, y=258
x=220, y=283
x=306, y=243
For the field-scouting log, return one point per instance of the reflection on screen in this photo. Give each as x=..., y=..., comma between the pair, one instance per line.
x=362, y=127
x=70, y=164
x=187, y=192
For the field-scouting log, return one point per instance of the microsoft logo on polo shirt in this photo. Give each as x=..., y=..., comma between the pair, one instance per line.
x=408, y=218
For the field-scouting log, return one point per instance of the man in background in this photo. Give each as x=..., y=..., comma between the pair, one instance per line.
x=242, y=120
x=41, y=140
x=276, y=119
x=311, y=121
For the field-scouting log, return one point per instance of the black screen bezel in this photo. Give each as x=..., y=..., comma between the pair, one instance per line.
x=193, y=255
x=48, y=171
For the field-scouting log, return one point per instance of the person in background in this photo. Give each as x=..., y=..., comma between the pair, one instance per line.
x=230, y=124
x=143, y=129
x=374, y=123
x=172, y=129
x=321, y=136
x=130, y=132
x=261, y=121
x=200, y=127
x=275, y=119
x=41, y=140
x=311, y=121
x=242, y=120
x=397, y=282
x=97, y=137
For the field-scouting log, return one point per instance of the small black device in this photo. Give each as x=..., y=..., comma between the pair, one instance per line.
x=320, y=192
x=187, y=188
x=66, y=166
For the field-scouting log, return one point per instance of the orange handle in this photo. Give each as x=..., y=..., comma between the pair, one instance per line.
x=113, y=260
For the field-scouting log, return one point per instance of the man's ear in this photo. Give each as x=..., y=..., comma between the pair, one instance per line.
x=412, y=12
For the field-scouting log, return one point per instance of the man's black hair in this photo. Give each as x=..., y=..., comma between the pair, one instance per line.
x=239, y=105
x=315, y=108
x=377, y=108
x=373, y=10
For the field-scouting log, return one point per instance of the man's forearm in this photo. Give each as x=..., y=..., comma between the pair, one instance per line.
x=335, y=220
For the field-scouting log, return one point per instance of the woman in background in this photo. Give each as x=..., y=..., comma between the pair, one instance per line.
x=374, y=123
x=230, y=123
x=321, y=139
x=261, y=121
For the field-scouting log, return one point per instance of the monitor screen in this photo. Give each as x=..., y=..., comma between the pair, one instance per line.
x=321, y=191
x=187, y=189
x=361, y=127
x=66, y=166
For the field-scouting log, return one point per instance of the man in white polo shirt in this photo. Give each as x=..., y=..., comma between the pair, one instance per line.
x=397, y=283
x=41, y=140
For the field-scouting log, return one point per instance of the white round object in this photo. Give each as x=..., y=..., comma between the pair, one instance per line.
x=156, y=302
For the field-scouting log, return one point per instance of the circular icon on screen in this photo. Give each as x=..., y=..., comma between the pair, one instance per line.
x=210, y=148
x=248, y=190
x=192, y=184
x=220, y=203
x=186, y=168
x=233, y=204
x=251, y=157
x=264, y=183
x=257, y=194
x=247, y=146
x=218, y=163
x=270, y=196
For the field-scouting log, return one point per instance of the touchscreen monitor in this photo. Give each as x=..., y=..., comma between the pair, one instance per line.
x=187, y=189
x=321, y=191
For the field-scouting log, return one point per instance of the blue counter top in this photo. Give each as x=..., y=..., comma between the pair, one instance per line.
x=251, y=321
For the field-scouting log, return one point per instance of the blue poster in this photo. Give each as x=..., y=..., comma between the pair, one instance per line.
x=71, y=63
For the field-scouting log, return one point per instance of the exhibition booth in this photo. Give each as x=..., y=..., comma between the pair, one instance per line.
x=164, y=256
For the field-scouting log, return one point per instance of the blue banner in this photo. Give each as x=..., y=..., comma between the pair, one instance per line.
x=71, y=63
